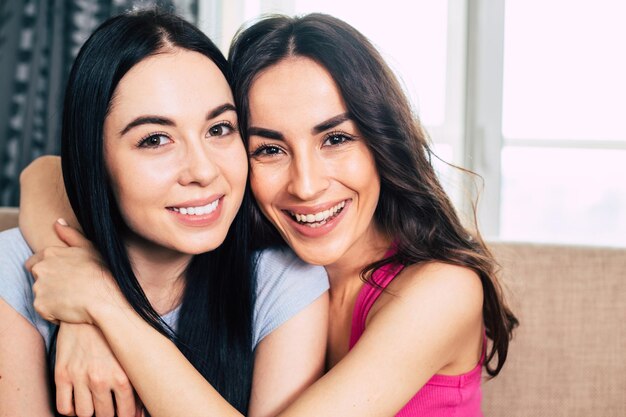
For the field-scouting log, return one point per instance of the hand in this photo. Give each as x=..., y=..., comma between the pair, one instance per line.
x=88, y=377
x=71, y=282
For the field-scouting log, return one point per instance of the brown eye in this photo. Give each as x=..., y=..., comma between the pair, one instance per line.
x=266, y=150
x=220, y=129
x=154, y=141
x=335, y=139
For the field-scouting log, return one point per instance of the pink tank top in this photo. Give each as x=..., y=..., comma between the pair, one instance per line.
x=443, y=395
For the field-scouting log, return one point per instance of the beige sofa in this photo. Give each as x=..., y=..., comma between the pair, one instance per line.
x=568, y=357
x=8, y=217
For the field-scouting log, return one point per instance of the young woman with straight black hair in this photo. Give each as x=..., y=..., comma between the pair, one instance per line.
x=155, y=170
x=340, y=170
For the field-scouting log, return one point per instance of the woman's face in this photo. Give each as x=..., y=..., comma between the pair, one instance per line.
x=173, y=153
x=311, y=171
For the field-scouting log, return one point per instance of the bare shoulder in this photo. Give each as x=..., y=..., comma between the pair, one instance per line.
x=439, y=275
x=457, y=288
x=435, y=309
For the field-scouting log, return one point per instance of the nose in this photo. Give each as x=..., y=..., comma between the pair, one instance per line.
x=308, y=177
x=197, y=165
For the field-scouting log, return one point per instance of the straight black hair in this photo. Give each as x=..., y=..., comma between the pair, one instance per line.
x=215, y=324
x=413, y=208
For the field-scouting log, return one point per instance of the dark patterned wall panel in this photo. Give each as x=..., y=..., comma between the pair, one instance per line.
x=38, y=42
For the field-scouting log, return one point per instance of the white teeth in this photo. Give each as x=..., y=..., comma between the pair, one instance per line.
x=318, y=219
x=197, y=211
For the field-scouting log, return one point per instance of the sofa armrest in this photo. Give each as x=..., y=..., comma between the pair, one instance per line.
x=8, y=217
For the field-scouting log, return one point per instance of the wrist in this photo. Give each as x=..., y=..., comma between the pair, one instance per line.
x=110, y=305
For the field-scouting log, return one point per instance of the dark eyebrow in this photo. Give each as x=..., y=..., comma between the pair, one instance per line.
x=325, y=125
x=265, y=133
x=164, y=121
x=147, y=120
x=330, y=123
x=219, y=110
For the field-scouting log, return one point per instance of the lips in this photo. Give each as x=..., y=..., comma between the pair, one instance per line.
x=319, y=218
x=196, y=208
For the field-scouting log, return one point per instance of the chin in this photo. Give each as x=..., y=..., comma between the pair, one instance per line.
x=313, y=257
x=196, y=248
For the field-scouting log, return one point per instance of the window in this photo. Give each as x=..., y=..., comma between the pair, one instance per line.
x=528, y=93
x=563, y=157
x=424, y=42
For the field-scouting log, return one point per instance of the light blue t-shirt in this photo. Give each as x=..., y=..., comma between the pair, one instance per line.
x=285, y=286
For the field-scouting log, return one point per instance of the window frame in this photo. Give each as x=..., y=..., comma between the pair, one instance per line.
x=472, y=124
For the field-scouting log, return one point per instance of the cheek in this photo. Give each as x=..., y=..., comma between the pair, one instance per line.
x=259, y=185
x=235, y=167
x=266, y=190
x=134, y=200
x=138, y=187
x=267, y=181
x=358, y=169
x=144, y=183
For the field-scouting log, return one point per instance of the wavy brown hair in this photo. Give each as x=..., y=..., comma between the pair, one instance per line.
x=413, y=207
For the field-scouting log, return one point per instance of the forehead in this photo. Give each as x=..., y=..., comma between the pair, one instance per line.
x=295, y=90
x=170, y=80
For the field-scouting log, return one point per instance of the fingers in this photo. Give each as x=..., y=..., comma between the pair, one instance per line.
x=65, y=402
x=125, y=401
x=140, y=409
x=103, y=403
x=83, y=401
x=70, y=235
x=40, y=308
x=32, y=261
x=86, y=366
x=95, y=397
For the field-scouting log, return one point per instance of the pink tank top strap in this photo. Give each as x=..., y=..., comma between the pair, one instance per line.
x=369, y=294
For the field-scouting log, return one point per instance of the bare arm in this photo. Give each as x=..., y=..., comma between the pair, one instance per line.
x=286, y=361
x=423, y=330
x=23, y=368
x=88, y=376
x=289, y=360
x=86, y=371
x=41, y=186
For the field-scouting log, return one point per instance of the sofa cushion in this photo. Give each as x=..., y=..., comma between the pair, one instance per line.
x=568, y=357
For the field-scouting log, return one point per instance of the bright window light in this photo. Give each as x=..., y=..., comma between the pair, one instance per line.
x=564, y=69
x=412, y=37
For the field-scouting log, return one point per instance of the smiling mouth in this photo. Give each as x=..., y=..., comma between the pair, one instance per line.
x=197, y=210
x=314, y=220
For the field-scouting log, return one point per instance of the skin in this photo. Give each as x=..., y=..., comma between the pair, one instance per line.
x=431, y=313
x=311, y=169
x=23, y=387
x=170, y=145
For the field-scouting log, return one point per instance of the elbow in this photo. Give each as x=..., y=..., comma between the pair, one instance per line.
x=42, y=164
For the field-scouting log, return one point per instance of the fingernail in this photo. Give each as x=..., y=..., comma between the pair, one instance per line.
x=62, y=222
